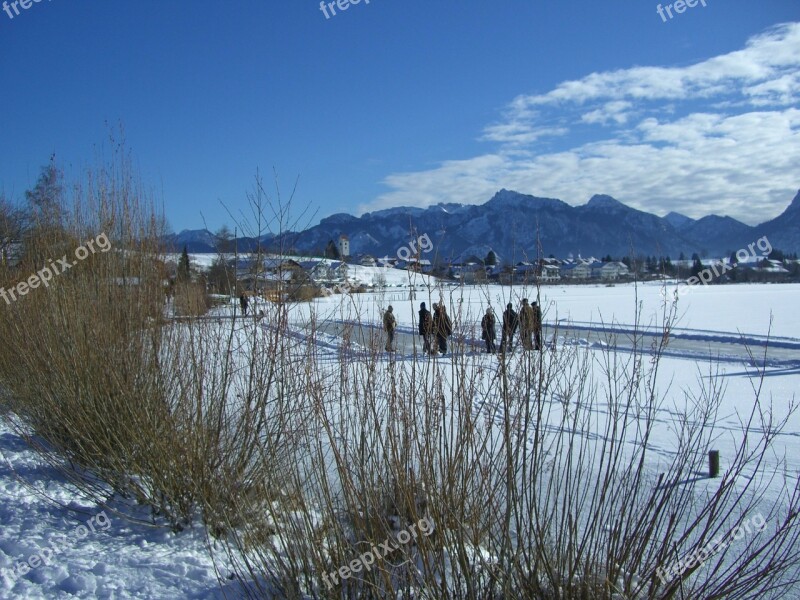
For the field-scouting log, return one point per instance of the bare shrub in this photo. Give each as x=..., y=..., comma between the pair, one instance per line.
x=534, y=471
x=304, y=293
x=89, y=360
x=191, y=299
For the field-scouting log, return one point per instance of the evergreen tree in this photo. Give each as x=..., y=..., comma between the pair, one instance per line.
x=697, y=266
x=184, y=268
x=776, y=255
x=331, y=251
x=732, y=274
x=221, y=277
x=491, y=259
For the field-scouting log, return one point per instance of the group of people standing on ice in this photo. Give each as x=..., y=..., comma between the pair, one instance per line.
x=528, y=321
x=436, y=327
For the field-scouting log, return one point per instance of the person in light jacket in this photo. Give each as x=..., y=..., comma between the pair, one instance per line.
x=442, y=326
x=526, y=324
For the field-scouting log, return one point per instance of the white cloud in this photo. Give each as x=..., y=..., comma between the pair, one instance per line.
x=616, y=111
x=516, y=132
x=766, y=57
x=722, y=136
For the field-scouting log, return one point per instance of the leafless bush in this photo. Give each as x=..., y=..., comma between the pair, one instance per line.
x=537, y=473
x=191, y=299
x=304, y=292
x=112, y=392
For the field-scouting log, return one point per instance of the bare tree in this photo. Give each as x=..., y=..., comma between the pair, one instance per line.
x=13, y=224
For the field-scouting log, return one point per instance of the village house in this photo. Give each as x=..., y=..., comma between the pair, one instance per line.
x=338, y=270
x=412, y=264
x=317, y=270
x=583, y=270
x=545, y=270
x=614, y=270
x=367, y=260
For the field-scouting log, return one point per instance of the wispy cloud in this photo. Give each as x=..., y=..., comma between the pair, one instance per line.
x=617, y=111
x=721, y=135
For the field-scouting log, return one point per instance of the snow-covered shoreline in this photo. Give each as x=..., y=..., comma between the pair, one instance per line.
x=119, y=559
x=129, y=560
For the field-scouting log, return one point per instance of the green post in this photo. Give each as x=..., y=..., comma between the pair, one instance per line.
x=713, y=463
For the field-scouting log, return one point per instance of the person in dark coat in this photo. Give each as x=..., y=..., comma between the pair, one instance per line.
x=537, y=326
x=442, y=326
x=425, y=327
x=389, y=324
x=510, y=324
x=243, y=303
x=488, y=331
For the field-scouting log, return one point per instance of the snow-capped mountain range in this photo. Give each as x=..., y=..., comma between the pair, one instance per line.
x=516, y=225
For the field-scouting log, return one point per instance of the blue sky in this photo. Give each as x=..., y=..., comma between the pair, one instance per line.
x=405, y=102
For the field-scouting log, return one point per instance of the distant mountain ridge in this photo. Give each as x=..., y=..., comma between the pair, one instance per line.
x=516, y=225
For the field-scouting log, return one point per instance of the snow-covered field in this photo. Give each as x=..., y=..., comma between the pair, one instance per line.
x=117, y=559
x=745, y=308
